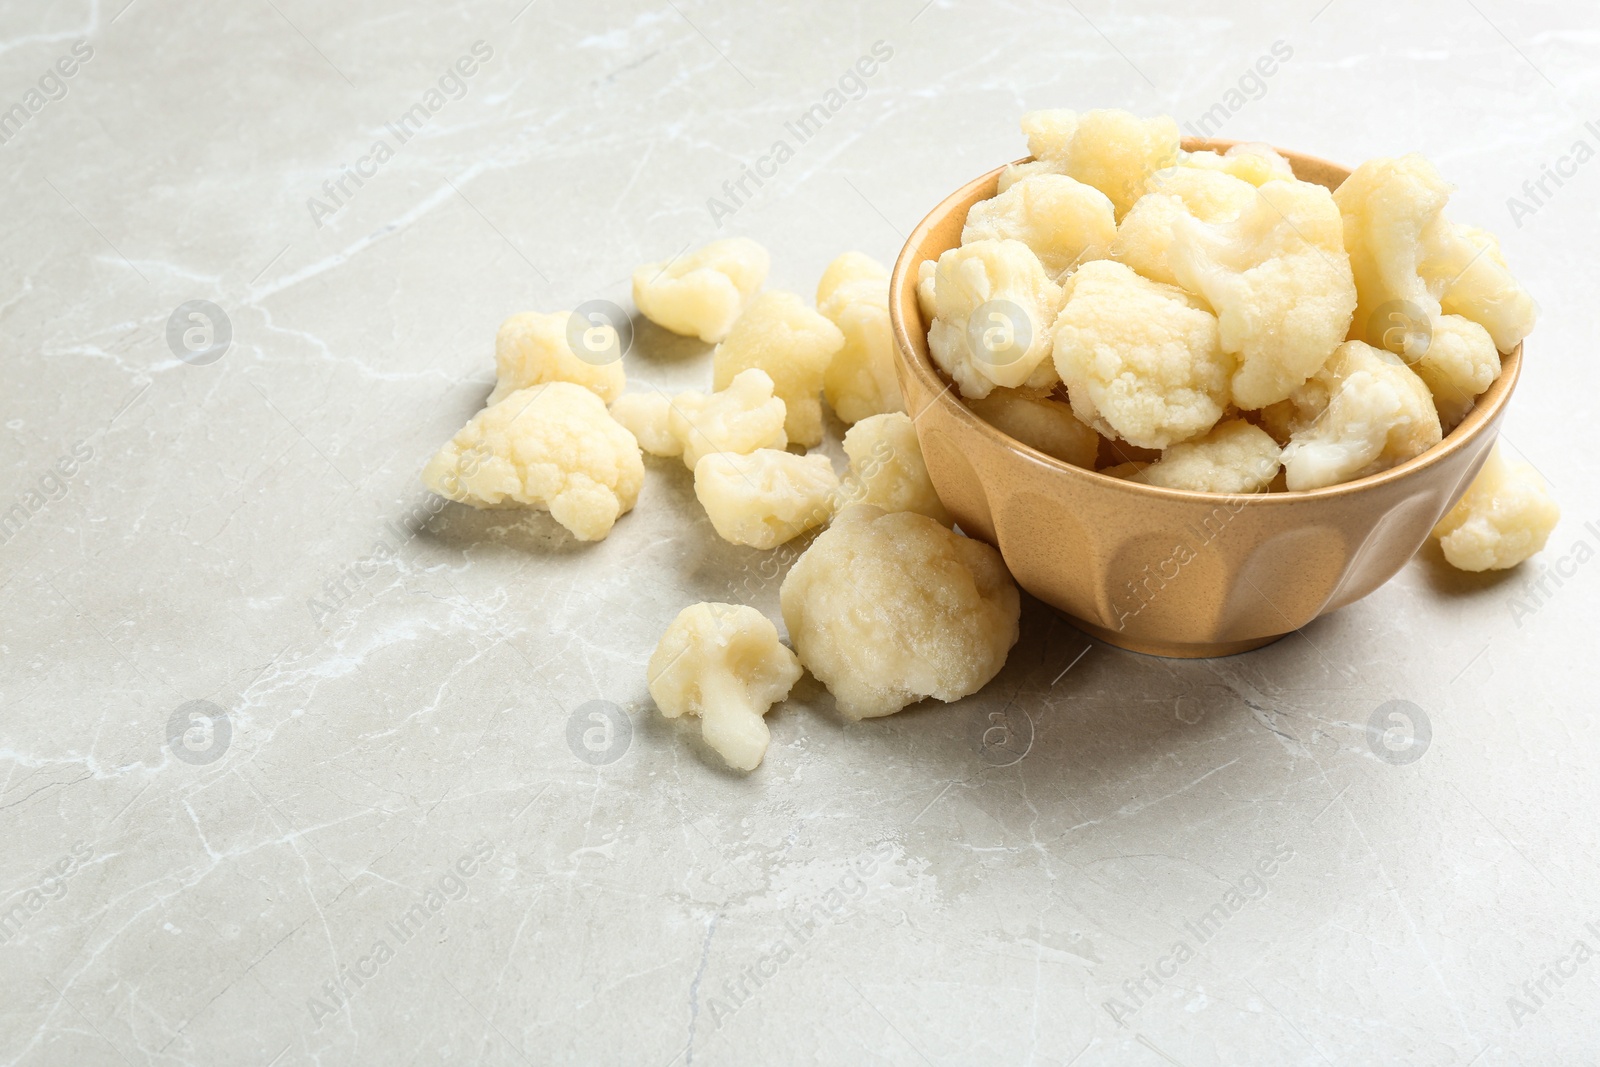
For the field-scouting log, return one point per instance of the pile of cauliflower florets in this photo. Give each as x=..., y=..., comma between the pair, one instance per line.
x=1189, y=320
x=1224, y=327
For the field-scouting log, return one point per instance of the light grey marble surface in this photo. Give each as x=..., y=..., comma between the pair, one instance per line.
x=193, y=901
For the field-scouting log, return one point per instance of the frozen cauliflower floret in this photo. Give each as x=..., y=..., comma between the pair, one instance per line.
x=888, y=608
x=1387, y=205
x=1463, y=265
x=926, y=270
x=1252, y=162
x=1141, y=360
x=1062, y=220
x=1279, y=281
x=1460, y=362
x=1362, y=413
x=794, y=345
x=1504, y=517
x=854, y=295
x=740, y=418
x=1016, y=172
x=552, y=447
x=887, y=469
x=1235, y=457
x=531, y=349
x=1049, y=132
x=648, y=417
x=1145, y=235
x=723, y=663
x=1047, y=425
x=1116, y=152
x=766, y=497
x=702, y=293
x=1009, y=343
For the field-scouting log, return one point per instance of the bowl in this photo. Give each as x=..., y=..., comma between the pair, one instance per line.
x=1170, y=572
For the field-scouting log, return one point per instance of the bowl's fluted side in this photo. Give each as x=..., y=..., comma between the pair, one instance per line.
x=1159, y=570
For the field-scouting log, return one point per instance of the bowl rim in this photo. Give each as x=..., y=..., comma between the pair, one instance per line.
x=1484, y=416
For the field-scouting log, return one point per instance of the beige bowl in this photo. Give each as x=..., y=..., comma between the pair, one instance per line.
x=1167, y=571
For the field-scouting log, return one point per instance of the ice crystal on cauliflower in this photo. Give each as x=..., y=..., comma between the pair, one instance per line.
x=701, y=294
x=552, y=447
x=888, y=608
x=794, y=345
x=766, y=497
x=1504, y=517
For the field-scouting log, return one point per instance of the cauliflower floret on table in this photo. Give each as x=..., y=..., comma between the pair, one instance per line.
x=794, y=345
x=725, y=664
x=1387, y=206
x=887, y=469
x=1117, y=152
x=1279, y=281
x=1362, y=413
x=552, y=447
x=1235, y=457
x=888, y=608
x=702, y=293
x=1040, y=423
x=765, y=497
x=1465, y=267
x=1145, y=235
x=531, y=349
x=1249, y=161
x=1459, y=363
x=740, y=418
x=648, y=417
x=854, y=295
x=1062, y=220
x=1141, y=361
x=1504, y=517
x=1007, y=344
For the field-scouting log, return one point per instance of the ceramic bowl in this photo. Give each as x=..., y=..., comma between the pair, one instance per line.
x=1167, y=571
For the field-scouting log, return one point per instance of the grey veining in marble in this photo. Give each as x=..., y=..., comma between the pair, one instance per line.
x=297, y=767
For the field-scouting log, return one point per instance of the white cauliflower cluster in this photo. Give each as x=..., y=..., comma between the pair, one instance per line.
x=552, y=447
x=887, y=469
x=724, y=664
x=702, y=293
x=531, y=349
x=1504, y=517
x=793, y=344
x=740, y=418
x=860, y=380
x=766, y=497
x=1235, y=457
x=888, y=608
x=1061, y=220
x=993, y=306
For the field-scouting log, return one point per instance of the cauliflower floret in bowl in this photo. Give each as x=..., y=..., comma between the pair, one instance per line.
x=1063, y=221
x=994, y=303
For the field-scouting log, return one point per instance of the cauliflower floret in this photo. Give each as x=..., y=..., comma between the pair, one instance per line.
x=1387, y=205
x=1279, y=281
x=926, y=270
x=766, y=497
x=1141, y=360
x=794, y=345
x=740, y=418
x=648, y=417
x=1464, y=267
x=887, y=469
x=552, y=447
x=1235, y=457
x=531, y=349
x=724, y=663
x=1049, y=132
x=1362, y=413
x=1460, y=362
x=1116, y=152
x=1047, y=425
x=1008, y=343
x=1249, y=161
x=888, y=608
x=702, y=293
x=860, y=381
x=1504, y=517
x=1062, y=220
x=1145, y=236
x=1016, y=172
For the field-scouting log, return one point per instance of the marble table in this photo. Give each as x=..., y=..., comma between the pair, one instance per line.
x=299, y=766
